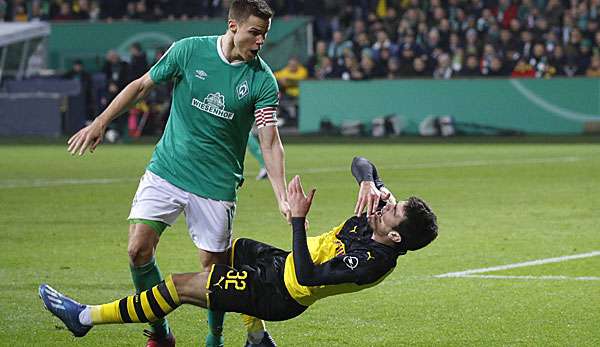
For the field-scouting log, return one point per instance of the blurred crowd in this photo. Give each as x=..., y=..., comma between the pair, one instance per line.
x=148, y=116
x=453, y=38
x=61, y=10
x=373, y=39
x=364, y=39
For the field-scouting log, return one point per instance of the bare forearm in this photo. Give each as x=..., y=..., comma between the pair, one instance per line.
x=275, y=164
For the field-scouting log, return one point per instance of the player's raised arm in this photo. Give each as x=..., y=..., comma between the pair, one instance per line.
x=91, y=136
x=372, y=189
x=335, y=271
x=273, y=154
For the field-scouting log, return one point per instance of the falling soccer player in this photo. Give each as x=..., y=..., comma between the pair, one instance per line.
x=272, y=284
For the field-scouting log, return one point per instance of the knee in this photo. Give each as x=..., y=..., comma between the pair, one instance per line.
x=139, y=253
x=141, y=245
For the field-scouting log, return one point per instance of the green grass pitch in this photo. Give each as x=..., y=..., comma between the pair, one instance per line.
x=64, y=222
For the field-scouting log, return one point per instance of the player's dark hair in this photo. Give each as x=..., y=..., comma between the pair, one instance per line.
x=240, y=10
x=420, y=226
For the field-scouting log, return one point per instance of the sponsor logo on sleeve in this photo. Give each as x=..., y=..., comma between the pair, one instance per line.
x=351, y=262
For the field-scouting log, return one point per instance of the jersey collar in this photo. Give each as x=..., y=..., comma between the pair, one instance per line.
x=222, y=55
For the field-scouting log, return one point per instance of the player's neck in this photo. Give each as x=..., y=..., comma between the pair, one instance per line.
x=382, y=239
x=228, y=48
x=379, y=236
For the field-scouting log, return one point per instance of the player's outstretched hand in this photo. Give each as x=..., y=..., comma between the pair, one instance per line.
x=88, y=137
x=299, y=202
x=369, y=196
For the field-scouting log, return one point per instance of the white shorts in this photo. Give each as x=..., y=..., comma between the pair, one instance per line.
x=209, y=222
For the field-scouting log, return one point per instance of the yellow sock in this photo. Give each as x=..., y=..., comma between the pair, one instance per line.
x=255, y=327
x=147, y=306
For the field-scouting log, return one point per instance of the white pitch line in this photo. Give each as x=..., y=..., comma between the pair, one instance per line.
x=560, y=278
x=517, y=265
x=36, y=183
x=464, y=163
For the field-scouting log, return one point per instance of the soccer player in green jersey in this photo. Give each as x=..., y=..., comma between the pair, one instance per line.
x=221, y=88
x=273, y=284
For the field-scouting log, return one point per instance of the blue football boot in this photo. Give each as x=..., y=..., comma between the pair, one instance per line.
x=64, y=308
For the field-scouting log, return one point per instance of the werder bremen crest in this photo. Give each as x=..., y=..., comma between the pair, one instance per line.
x=214, y=104
x=242, y=90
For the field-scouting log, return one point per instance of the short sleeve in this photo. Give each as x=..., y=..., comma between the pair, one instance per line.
x=170, y=64
x=268, y=93
x=265, y=108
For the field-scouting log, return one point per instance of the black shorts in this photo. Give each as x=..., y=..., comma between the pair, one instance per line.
x=253, y=284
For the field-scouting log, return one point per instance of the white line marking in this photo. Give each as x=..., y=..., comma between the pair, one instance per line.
x=517, y=265
x=464, y=163
x=553, y=109
x=560, y=278
x=37, y=183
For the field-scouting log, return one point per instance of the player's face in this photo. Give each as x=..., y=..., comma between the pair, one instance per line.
x=249, y=36
x=388, y=217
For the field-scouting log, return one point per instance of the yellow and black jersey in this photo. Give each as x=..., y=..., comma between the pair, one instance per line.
x=263, y=281
x=344, y=260
x=272, y=284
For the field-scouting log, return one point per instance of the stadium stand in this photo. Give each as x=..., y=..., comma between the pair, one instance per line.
x=358, y=40
x=395, y=39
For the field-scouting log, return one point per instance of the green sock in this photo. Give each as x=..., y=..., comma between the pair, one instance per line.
x=145, y=277
x=215, y=322
x=254, y=148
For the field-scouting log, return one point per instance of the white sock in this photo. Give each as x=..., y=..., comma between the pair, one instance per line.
x=85, y=316
x=256, y=337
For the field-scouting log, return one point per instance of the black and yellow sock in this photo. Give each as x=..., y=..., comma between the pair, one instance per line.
x=144, y=277
x=148, y=306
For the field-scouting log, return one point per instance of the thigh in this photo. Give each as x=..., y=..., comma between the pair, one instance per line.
x=210, y=223
x=233, y=290
x=248, y=251
x=245, y=290
x=158, y=200
x=207, y=259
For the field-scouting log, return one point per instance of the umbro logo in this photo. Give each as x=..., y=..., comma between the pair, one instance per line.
x=201, y=74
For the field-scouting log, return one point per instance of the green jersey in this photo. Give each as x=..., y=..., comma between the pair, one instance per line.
x=214, y=106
